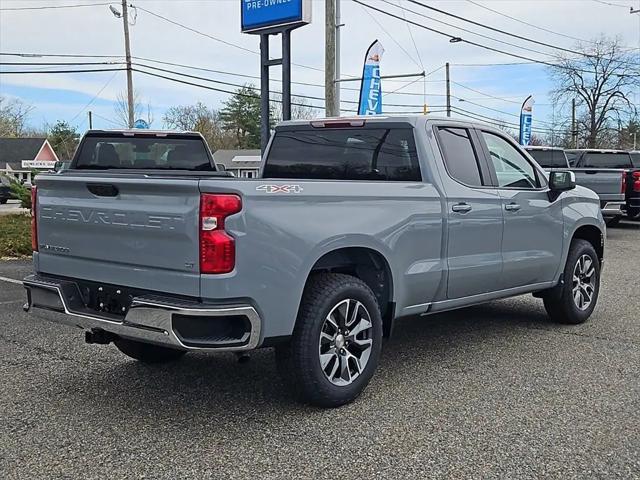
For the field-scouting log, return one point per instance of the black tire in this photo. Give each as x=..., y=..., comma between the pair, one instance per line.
x=633, y=213
x=299, y=361
x=147, y=352
x=559, y=303
x=613, y=221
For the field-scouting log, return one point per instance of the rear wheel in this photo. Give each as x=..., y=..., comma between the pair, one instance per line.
x=633, y=213
x=576, y=299
x=336, y=343
x=147, y=352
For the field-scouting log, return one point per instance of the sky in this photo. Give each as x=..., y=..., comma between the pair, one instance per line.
x=494, y=91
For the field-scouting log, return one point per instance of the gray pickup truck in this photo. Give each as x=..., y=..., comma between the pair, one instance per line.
x=608, y=183
x=354, y=223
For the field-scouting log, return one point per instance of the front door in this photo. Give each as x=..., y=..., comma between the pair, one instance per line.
x=533, y=225
x=474, y=211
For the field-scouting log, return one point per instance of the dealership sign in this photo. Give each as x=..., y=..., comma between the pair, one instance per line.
x=259, y=16
x=40, y=164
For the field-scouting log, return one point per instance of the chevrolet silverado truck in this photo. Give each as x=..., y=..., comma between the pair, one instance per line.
x=620, y=160
x=608, y=183
x=352, y=224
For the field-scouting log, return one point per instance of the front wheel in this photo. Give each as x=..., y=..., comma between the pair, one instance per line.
x=147, y=352
x=336, y=344
x=575, y=301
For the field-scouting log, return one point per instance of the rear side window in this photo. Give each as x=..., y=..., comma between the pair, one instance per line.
x=344, y=154
x=151, y=152
x=606, y=160
x=549, y=158
x=459, y=155
x=635, y=159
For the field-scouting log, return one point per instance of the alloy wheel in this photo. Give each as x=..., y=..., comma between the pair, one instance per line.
x=584, y=282
x=345, y=343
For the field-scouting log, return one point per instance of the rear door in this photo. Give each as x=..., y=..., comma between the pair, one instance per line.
x=474, y=215
x=130, y=230
x=533, y=225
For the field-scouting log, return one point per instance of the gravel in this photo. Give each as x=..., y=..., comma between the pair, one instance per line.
x=493, y=391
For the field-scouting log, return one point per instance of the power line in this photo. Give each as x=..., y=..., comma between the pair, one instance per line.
x=488, y=27
x=211, y=37
x=23, y=72
x=612, y=4
x=463, y=29
x=51, y=7
x=527, y=23
x=61, y=55
x=61, y=63
x=94, y=97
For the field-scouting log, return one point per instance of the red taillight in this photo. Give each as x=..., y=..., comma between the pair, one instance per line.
x=636, y=181
x=624, y=182
x=34, y=218
x=217, y=247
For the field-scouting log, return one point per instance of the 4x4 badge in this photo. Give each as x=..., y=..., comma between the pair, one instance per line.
x=279, y=188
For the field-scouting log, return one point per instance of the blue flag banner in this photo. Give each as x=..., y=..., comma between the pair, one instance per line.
x=371, y=86
x=526, y=118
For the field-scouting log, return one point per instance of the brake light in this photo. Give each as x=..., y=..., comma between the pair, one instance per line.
x=636, y=181
x=217, y=247
x=34, y=218
x=624, y=182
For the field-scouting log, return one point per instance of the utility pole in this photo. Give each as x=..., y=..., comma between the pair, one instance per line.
x=635, y=140
x=574, y=132
x=127, y=52
x=90, y=120
x=330, y=58
x=448, y=90
x=339, y=25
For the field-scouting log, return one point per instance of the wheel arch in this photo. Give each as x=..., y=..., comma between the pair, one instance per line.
x=370, y=266
x=594, y=236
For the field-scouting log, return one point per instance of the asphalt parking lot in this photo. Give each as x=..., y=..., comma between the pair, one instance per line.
x=494, y=391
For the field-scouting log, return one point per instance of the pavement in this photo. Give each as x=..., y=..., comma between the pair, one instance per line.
x=493, y=391
x=12, y=206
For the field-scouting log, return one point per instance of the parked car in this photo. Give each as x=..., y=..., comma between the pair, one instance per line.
x=5, y=190
x=354, y=224
x=592, y=160
x=609, y=184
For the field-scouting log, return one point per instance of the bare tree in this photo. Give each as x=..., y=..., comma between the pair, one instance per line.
x=140, y=111
x=300, y=109
x=200, y=118
x=13, y=117
x=602, y=80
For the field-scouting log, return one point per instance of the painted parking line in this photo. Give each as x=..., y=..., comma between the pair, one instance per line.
x=10, y=302
x=10, y=280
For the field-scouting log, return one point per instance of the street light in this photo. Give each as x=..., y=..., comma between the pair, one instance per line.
x=115, y=11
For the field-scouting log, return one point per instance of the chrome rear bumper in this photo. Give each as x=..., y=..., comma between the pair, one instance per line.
x=149, y=318
x=612, y=209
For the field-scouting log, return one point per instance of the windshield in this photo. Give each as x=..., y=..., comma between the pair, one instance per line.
x=607, y=160
x=549, y=158
x=171, y=152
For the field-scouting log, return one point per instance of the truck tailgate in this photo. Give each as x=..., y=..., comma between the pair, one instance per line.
x=132, y=230
x=607, y=183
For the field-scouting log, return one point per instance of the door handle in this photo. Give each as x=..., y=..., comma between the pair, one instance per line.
x=512, y=207
x=461, y=207
x=103, y=190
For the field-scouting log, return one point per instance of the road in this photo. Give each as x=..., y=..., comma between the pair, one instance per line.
x=494, y=391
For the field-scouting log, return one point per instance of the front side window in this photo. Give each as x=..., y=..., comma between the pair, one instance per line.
x=459, y=156
x=512, y=168
x=344, y=154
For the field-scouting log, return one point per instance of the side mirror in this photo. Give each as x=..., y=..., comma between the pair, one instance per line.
x=58, y=166
x=561, y=181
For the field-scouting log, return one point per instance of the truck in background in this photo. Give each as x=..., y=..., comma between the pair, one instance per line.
x=607, y=183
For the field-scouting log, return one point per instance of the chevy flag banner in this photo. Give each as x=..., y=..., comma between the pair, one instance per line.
x=371, y=86
x=525, y=121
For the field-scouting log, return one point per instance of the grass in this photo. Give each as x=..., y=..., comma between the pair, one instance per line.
x=15, y=235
